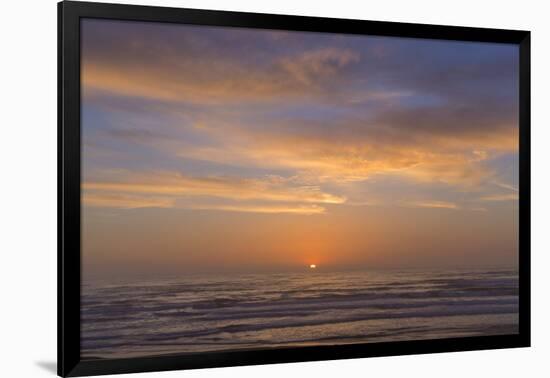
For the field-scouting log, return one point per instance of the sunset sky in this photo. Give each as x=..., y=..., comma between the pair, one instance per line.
x=225, y=149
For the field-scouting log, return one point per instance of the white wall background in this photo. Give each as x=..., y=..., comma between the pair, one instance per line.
x=28, y=187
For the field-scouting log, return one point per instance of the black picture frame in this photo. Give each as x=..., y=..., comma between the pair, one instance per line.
x=69, y=180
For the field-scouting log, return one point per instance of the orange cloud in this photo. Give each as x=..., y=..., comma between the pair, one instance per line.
x=277, y=209
x=449, y=141
x=309, y=66
x=170, y=183
x=501, y=197
x=347, y=162
x=432, y=204
x=200, y=80
x=124, y=201
x=162, y=190
x=364, y=150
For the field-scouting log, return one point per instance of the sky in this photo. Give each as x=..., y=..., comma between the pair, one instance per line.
x=216, y=149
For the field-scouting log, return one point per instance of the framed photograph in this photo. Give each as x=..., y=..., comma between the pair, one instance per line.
x=240, y=188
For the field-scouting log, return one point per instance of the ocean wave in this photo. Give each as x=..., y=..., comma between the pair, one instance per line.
x=210, y=313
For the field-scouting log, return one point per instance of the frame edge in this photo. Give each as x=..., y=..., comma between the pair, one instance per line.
x=68, y=190
x=525, y=188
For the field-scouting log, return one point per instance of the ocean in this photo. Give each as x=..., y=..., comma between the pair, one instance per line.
x=196, y=313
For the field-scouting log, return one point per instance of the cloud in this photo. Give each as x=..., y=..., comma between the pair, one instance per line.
x=135, y=190
x=480, y=209
x=492, y=125
x=278, y=209
x=506, y=186
x=417, y=123
x=331, y=160
x=325, y=113
x=500, y=197
x=124, y=201
x=194, y=74
x=432, y=204
x=311, y=66
x=175, y=184
x=132, y=201
x=440, y=143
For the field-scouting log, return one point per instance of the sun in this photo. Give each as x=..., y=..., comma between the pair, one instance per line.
x=313, y=266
